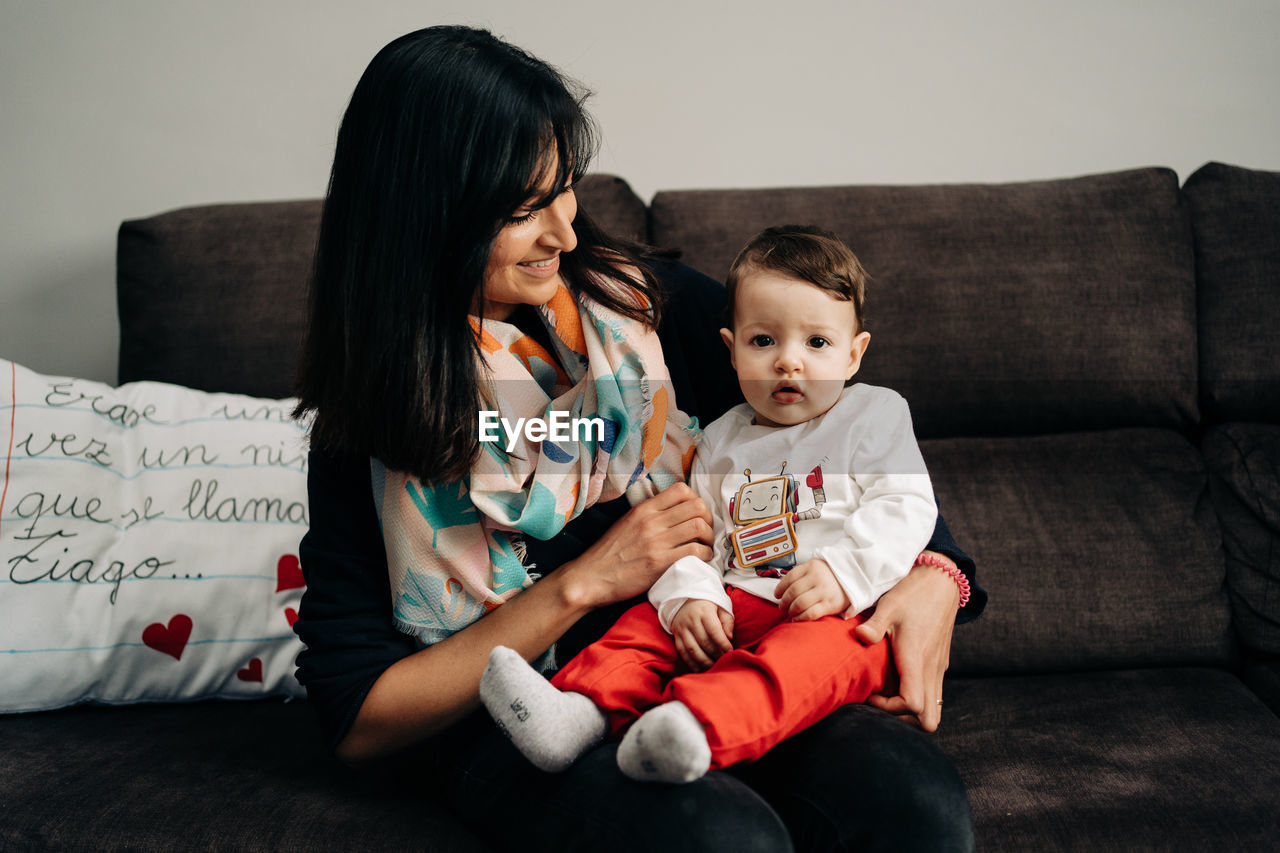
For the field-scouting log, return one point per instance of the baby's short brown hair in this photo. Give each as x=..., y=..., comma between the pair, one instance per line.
x=805, y=252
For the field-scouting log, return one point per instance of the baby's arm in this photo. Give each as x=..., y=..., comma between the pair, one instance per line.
x=690, y=578
x=896, y=509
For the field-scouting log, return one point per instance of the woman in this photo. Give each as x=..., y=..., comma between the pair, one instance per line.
x=451, y=198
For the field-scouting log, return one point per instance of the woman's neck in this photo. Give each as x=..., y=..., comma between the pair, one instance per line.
x=527, y=319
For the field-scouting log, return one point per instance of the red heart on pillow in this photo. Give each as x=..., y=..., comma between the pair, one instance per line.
x=252, y=672
x=289, y=573
x=170, y=639
x=291, y=615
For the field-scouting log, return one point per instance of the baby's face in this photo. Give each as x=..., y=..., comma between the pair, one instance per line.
x=793, y=346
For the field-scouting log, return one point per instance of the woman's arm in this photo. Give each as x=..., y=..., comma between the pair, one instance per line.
x=919, y=615
x=351, y=647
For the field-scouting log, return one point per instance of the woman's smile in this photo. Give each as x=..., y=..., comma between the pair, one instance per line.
x=542, y=269
x=524, y=262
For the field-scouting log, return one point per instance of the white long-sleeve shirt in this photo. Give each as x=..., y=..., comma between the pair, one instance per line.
x=878, y=514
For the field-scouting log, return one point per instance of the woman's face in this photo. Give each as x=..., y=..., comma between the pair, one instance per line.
x=524, y=264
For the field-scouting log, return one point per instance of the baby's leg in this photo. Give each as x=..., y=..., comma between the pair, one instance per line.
x=552, y=729
x=604, y=688
x=626, y=671
x=784, y=677
x=788, y=679
x=669, y=743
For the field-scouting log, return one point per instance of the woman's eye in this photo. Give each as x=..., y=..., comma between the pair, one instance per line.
x=520, y=219
x=761, y=341
x=818, y=343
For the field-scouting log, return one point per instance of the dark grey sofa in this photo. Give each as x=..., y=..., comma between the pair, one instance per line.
x=1092, y=370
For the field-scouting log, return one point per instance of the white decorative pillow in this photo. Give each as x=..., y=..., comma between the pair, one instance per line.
x=148, y=543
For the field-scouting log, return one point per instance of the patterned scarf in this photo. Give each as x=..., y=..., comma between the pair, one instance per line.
x=454, y=549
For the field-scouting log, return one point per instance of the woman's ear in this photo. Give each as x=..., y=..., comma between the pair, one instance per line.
x=856, y=351
x=726, y=335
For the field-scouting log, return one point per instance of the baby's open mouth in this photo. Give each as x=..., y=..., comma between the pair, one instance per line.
x=787, y=392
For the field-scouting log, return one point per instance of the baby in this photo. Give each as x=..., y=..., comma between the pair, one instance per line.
x=730, y=658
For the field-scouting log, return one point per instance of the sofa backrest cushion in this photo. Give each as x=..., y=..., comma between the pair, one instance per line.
x=614, y=206
x=998, y=309
x=1099, y=549
x=1235, y=216
x=214, y=297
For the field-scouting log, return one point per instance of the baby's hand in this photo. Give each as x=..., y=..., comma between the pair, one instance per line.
x=703, y=632
x=811, y=591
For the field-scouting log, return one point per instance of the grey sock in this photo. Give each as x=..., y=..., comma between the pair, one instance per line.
x=667, y=744
x=551, y=728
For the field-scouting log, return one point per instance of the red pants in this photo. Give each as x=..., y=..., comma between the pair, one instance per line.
x=780, y=678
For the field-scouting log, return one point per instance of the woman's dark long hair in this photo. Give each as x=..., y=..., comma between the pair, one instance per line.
x=449, y=131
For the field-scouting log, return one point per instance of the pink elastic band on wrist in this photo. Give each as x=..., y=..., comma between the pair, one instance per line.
x=927, y=559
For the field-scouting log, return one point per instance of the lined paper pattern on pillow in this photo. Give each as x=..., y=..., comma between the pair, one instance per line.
x=148, y=542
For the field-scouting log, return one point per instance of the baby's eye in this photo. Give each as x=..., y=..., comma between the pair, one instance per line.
x=819, y=342
x=761, y=341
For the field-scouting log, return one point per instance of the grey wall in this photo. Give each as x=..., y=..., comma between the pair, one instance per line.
x=112, y=109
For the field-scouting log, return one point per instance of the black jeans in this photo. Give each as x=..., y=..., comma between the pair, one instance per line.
x=857, y=780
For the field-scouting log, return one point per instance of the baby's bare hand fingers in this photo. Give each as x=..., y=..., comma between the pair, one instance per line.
x=807, y=611
x=823, y=608
x=786, y=592
x=693, y=654
x=719, y=643
x=702, y=638
x=802, y=600
x=726, y=623
x=688, y=660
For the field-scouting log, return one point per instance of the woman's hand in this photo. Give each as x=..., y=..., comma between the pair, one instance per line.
x=918, y=615
x=639, y=547
x=811, y=591
x=702, y=632
x=427, y=691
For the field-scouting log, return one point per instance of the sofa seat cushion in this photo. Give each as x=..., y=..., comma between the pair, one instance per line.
x=1244, y=463
x=1098, y=549
x=204, y=776
x=1168, y=759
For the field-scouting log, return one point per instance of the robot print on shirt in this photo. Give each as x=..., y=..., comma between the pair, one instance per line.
x=764, y=518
